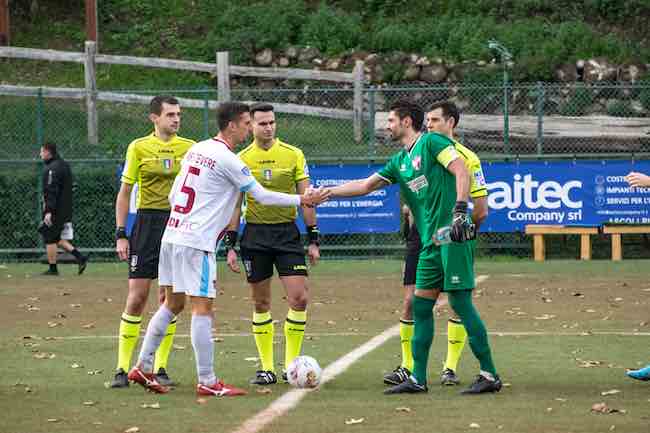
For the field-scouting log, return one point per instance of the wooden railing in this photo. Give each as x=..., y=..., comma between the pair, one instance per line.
x=221, y=69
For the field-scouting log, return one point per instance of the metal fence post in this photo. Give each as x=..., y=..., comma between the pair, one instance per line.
x=506, y=119
x=372, y=149
x=39, y=118
x=357, y=110
x=206, y=113
x=540, y=117
x=91, y=92
x=223, y=76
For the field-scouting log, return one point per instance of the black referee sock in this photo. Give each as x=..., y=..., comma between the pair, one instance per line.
x=77, y=255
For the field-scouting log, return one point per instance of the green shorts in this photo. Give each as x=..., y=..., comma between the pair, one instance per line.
x=448, y=267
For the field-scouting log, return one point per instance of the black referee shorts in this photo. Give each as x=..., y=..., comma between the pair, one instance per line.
x=265, y=245
x=144, y=243
x=413, y=247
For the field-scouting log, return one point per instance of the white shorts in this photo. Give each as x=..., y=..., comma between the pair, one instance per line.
x=187, y=270
x=66, y=232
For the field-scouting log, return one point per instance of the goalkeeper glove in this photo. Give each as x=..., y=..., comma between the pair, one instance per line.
x=462, y=228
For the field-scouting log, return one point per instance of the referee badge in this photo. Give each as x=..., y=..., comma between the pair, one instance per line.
x=168, y=164
x=268, y=174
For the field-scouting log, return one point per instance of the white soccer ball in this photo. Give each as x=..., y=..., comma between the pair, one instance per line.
x=304, y=372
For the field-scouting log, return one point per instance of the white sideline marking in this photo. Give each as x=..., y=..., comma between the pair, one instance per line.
x=291, y=398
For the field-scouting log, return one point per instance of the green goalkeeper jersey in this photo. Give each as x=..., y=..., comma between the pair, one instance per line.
x=427, y=186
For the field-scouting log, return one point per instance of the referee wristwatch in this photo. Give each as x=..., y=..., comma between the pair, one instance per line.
x=313, y=235
x=120, y=233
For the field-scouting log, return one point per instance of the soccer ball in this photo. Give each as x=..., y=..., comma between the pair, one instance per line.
x=304, y=372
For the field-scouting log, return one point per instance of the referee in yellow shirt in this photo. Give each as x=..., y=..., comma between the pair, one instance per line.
x=152, y=162
x=271, y=238
x=442, y=117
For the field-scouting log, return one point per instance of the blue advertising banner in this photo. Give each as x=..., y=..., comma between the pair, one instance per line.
x=581, y=193
x=377, y=212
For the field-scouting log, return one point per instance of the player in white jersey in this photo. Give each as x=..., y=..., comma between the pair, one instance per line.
x=202, y=200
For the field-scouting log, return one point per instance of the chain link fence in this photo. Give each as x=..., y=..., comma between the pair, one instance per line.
x=541, y=121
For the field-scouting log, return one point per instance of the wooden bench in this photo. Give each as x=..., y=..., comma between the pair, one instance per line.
x=538, y=232
x=616, y=231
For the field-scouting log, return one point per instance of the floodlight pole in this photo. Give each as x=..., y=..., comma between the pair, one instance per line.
x=505, y=56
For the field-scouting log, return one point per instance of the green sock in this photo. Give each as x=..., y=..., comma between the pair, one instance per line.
x=461, y=302
x=422, y=336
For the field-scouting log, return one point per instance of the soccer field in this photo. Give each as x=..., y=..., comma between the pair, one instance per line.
x=562, y=334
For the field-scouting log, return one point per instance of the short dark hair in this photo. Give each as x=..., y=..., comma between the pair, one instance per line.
x=449, y=109
x=156, y=104
x=405, y=109
x=50, y=147
x=229, y=112
x=264, y=107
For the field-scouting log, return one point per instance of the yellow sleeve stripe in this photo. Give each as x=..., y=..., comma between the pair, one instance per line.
x=447, y=156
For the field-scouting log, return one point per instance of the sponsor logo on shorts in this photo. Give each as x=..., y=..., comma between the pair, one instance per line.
x=418, y=183
x=299, y=267
x=134, y=263
x=479, y=178
x=455, y=279
x=249, y=267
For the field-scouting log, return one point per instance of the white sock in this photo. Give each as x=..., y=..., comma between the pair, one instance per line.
x=203, y=348
x=156, y=331
x=488, y=376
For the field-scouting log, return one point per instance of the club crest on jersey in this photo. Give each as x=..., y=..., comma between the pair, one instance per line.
x=418, y=183
x=417, y=162
x=168, y=164
x=268, y=174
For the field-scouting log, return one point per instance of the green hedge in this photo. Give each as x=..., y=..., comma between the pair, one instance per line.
x=95, y=189
x=541, y=34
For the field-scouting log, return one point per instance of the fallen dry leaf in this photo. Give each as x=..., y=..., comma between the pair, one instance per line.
x=132, y=430
x=53, y=324
x=201, y=400
x=150, y=406
x=251, y=359
x=262, y=390
x=75, y=305
x=545, y=317
x=75, y=365
x=610, y=392
x=403, y=409
x=44, y=355
x=178, y=347
x=60, y=316
x=88, y=325
x=218, y=340
x=53, y=420
x=354, y=421
x=33, y=308
x=604, y=409
x=331, y=322
x=561, y=399
x=89, y=403
x=94, y=372
x=474, y=425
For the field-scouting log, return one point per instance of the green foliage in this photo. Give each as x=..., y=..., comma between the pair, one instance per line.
x=330, y=30
x=393, y=36
x=620, y=109
x=578, y=102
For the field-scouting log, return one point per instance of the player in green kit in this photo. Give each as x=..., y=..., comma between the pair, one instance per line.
x=434, y=182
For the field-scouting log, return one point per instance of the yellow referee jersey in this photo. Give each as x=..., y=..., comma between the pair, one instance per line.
x=153, y=164
x=477, y=187
x=278, y=169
